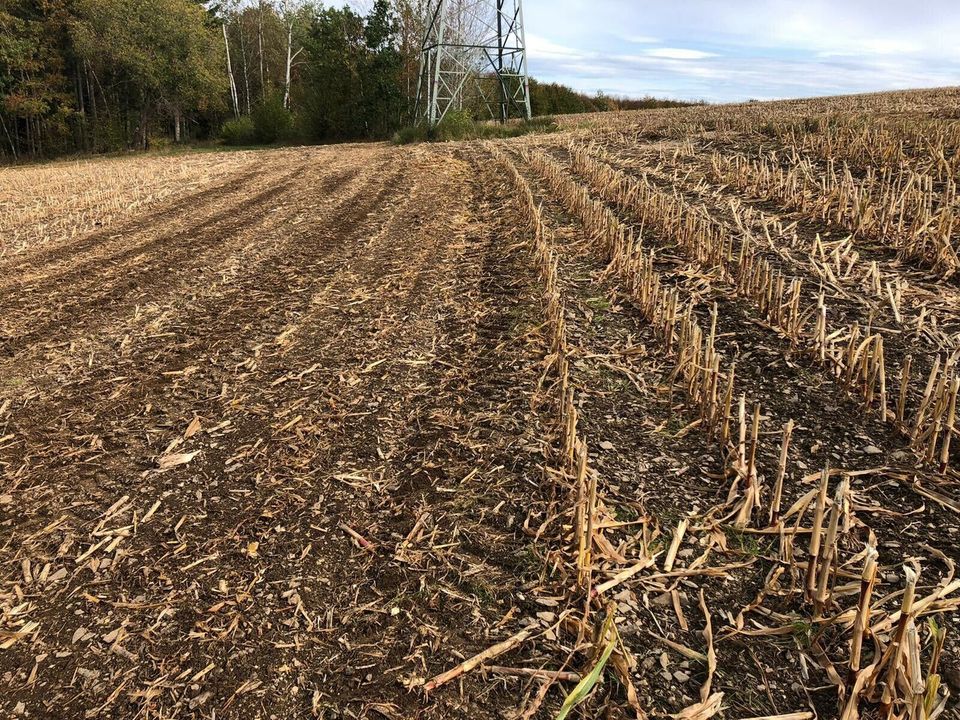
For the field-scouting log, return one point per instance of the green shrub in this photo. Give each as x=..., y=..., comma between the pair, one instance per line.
x=411, y=134
x=543, y=124
x=238, y=132
x=456, y=125
x=272, y=122
x=461, y=126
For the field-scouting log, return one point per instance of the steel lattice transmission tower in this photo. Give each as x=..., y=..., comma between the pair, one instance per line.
x=473, y=46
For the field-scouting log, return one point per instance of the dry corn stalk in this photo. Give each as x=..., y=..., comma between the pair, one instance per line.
x=867, y=581
x=828, y=552
x=781, y=472
x=815, y=534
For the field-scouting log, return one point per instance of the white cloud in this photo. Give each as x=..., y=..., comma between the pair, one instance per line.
x=727, y=50
x=640, y=39
x=679, y=53
x=874, y=46
x=541, y=47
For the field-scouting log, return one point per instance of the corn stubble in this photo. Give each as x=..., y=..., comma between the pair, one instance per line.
x=818, y=297
x=60, y=201
x=823, y=235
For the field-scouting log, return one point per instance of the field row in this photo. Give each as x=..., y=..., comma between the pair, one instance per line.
x=716, y=308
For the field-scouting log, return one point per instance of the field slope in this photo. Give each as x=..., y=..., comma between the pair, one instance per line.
x=292, y=433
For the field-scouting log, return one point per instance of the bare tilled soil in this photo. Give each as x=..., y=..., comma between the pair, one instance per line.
x=519, y=430
x=266, y=456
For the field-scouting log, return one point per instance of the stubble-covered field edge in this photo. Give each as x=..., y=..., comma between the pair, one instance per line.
x=649, y=417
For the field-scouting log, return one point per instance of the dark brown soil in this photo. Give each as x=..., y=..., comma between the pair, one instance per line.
x=350, y=357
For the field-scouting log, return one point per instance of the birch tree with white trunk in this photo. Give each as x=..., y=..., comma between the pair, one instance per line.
x=263, y=77
x=289, y=17
x=241, y=22
x=234, y=97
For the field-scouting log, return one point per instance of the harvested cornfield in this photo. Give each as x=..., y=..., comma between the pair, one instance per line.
x=63, y=199
x=649, y=417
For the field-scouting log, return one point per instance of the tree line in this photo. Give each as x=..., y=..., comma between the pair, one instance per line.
x=93, y=76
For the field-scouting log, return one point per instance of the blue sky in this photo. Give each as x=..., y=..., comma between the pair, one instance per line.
x=731, y=50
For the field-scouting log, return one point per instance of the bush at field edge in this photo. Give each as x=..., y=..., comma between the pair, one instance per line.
x=238, y=132
x=460, y=126
x=269, y=123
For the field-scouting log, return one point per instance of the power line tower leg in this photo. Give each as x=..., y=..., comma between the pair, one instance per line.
x=485, y=42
